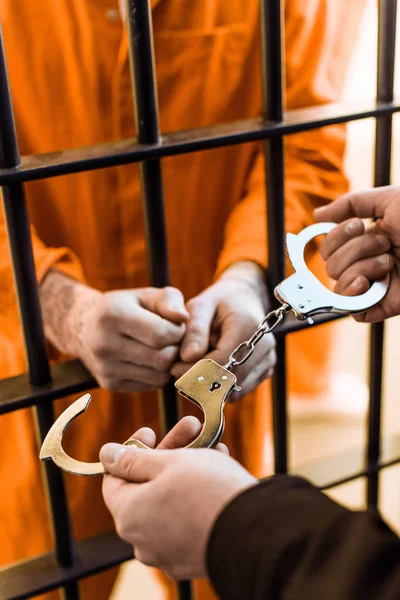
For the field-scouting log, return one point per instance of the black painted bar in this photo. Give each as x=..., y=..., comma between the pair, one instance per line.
x=272, y=60
x=383, y=149
x=143, y=74
x=73, y=378
x=66, y=378
x=77, y=160
x=43, y=573
x=18, y=227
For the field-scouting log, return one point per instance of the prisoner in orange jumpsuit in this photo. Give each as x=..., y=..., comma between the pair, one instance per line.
x=70, y=82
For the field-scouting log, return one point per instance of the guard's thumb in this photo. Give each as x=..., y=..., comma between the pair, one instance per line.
x=133, y=464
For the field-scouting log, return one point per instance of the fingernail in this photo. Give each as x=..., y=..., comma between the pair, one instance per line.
x=355, y=284
x=353, y=227
x=383, y=259
x=180, y=309
x=111, y=452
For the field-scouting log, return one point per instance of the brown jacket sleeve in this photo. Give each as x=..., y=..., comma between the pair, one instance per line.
x=284, y=539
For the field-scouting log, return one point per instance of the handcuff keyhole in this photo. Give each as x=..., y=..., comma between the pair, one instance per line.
x=215, y=386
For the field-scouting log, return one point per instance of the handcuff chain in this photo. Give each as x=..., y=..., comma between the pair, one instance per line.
x=257, y=336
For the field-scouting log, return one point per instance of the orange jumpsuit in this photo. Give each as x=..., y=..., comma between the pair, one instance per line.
x=69, y=73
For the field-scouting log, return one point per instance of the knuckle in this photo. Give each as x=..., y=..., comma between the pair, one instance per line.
x=100, y=347
x=196, y=305
x=158, y=338
x=173, y=292
x=107, y=311
x=384, y=243
x=122, y=530
x=324, y=247
x=165, y=359
x=161, y=379
x=382, y=262
x=107, y=383
x=195, y=329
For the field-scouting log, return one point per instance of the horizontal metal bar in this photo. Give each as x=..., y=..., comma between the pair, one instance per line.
x=41, y=574
x=291, y=324
x=350, y=465
x=73, y=378
x=67, y=378
x=182, y=142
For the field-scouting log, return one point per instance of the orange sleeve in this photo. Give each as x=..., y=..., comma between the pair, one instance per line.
x=12, y=360
x=45, y=257
x=319, y=42
x=63, y=259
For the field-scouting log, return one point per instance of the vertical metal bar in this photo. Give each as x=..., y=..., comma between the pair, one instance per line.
x=272, y=72
x=146, y=117
x=383, y=146
x=141, y=49
x=18, y=228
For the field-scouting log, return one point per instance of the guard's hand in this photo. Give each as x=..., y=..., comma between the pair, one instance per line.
x=128, y=339
x=165, y=502
x=357, y=253
x=224, y=315
x=180, y=436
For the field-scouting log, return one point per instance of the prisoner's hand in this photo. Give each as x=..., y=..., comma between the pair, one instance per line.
x=127, y=339
x=165, y=502
x=224, y=315
x=357, y=253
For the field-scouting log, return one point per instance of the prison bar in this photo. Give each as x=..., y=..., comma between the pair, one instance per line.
x=73, y=378
x=18, y=227
x=143, y=75
x=24, y=273
x=99, y=156
x=387, y=13
x=44, y=572
x=272, y=77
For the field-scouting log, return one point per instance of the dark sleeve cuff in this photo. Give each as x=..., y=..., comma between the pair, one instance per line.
x=285, y=539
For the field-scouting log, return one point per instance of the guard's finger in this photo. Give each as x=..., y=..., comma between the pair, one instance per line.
x=222, y=448
x=146, y=436
x=368, y=203
x=135, y=464
x=358, y=286
x=197, y=337
x=355, y=250
x=181, y=435
x=362, y=272
x=339, y=236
